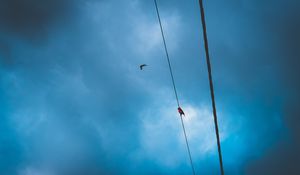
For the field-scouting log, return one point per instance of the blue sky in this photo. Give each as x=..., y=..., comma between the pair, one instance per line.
x=73, y=100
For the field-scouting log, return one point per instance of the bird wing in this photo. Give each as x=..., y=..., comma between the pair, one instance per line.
x=143, y=65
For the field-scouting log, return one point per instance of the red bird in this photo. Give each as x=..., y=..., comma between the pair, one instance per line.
x=180, y=111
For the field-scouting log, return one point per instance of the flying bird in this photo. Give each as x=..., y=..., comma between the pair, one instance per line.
x=142, y=66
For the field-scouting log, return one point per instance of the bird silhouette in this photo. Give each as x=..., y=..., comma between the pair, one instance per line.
x=142, y=66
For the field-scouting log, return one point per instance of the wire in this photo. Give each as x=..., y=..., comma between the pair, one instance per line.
x=167, y=54
x=174, y=86
x=211, y=85
x=187, y=145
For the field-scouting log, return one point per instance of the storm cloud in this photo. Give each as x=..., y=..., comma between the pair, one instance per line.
x=73, y=100
x=32, y=18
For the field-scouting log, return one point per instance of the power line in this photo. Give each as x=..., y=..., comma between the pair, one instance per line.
x=187, y=145
x=211, y=85
x=174, y=86
x=167, y=54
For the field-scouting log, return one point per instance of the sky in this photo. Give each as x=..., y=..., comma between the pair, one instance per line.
x=74, y=102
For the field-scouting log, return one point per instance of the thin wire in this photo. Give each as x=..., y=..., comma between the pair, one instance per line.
x=187, y=145
x=166, y=50
x=174, y=86
x=211, y=85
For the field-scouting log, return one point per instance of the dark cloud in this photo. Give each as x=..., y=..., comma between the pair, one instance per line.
x=282, y=24
x=5, y=53
x=30, y=21
x=255, y=48
x=73, y=104
x=32, y=18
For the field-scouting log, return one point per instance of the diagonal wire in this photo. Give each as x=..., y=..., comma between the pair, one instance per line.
x=188, y=147
x=167, y=54
x=174, y=86
x=211, y=85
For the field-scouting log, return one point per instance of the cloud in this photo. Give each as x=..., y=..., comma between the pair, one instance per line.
x=31, y=18
x=261, y=61
x=148, y=34
x=162, y=139
x=69, y=105
x=32, y=171
x=201, y=129
x=78, y=104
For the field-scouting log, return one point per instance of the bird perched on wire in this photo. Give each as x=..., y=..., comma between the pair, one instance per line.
x=180, y=111
x=142, y=66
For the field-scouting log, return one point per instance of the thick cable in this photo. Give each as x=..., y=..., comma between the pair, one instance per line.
x=211, y=85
